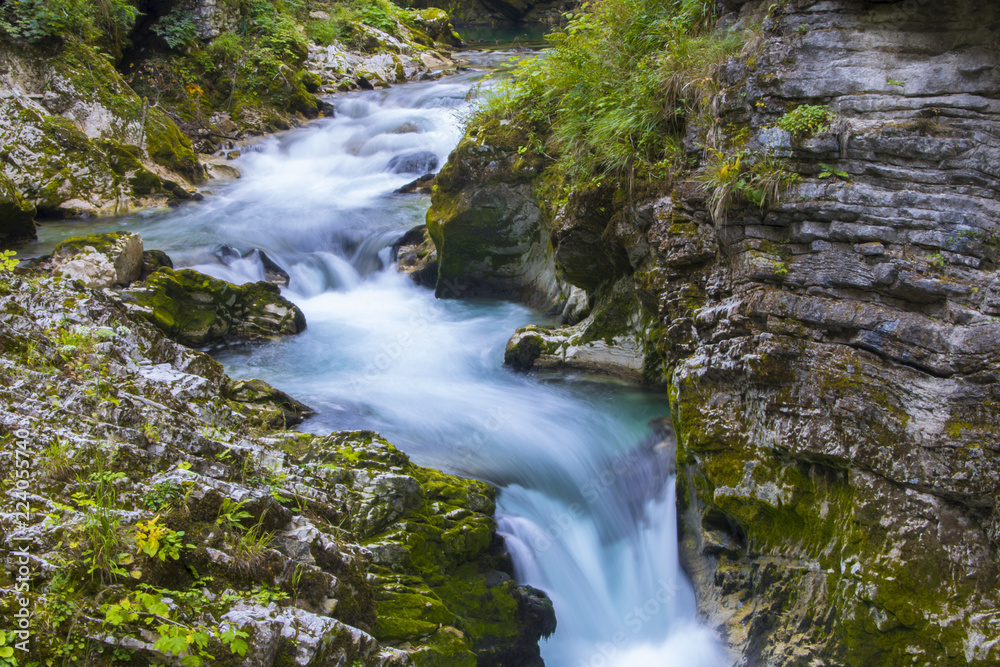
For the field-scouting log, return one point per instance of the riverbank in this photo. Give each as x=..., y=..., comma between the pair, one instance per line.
x=106, y=116
x=153, y=512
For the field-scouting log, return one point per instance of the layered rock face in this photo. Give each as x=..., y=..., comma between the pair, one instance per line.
x=833, y=358
x=835, y=365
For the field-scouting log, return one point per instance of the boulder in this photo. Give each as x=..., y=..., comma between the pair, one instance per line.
x=154, y=260
x=417, y=162
x=196, y=309
x=275, y=407
x=100, y=260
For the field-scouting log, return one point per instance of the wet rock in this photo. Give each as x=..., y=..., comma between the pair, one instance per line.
x=419, y=162
x=197, y=310
x=422, y=185
x=416, y=255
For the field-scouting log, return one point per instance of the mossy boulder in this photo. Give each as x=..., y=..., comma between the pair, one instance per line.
x=274, y=408
x=17, y=217
x=196, y=309
x=441, y=579
x=491, y=233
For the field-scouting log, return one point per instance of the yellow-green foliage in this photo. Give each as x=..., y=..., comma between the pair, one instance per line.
x=806, y=120
x=743, y=177
x=619, y=84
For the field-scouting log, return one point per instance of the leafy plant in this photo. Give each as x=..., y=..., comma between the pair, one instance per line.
x=161, y=497
x=7, y=658
x=176, y=27
x=175, y=637
x=158, y=541
x=7, y=261
x=232, y=514
x=806, y=120
x=829, y=171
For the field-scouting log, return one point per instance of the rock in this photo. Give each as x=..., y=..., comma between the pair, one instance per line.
x=277, y=409
x=491, y=235
x=17, y=217
x=437, y=24
x=319, y=15
x=422, y=185
x=272, y=271
x=414, y=254
x=195, y=309
x=153, y=260
x=419, y=162
x=100, y=260
x=832, y=358
x=262, y=509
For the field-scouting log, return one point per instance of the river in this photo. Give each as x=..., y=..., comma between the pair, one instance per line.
x=586, y=498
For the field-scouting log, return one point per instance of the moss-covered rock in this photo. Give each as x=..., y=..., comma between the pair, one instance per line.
x=169, y=148
x=197, y=310
x=442, y=582
x=491, y=233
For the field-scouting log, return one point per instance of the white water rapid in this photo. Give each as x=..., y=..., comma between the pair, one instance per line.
x=587, y=493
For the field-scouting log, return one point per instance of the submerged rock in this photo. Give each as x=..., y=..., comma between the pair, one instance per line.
x=420, y=162
x=197, y=310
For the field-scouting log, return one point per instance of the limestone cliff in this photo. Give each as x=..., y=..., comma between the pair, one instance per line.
x=832, y=354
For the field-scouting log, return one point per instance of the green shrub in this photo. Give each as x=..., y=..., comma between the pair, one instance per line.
x=107, y=21
x=806, y=120
x=619, y=84
x=177, y=28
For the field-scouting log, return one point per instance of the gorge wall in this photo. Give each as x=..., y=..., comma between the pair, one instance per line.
x=832, y=356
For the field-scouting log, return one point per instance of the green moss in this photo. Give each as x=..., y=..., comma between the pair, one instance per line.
x=169, y=148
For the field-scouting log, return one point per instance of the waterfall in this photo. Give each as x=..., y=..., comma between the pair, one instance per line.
x=586, y=499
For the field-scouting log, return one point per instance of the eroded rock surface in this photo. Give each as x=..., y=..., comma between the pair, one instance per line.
x=196, y=309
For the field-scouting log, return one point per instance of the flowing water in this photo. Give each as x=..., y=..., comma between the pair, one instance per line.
x=586, y=489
